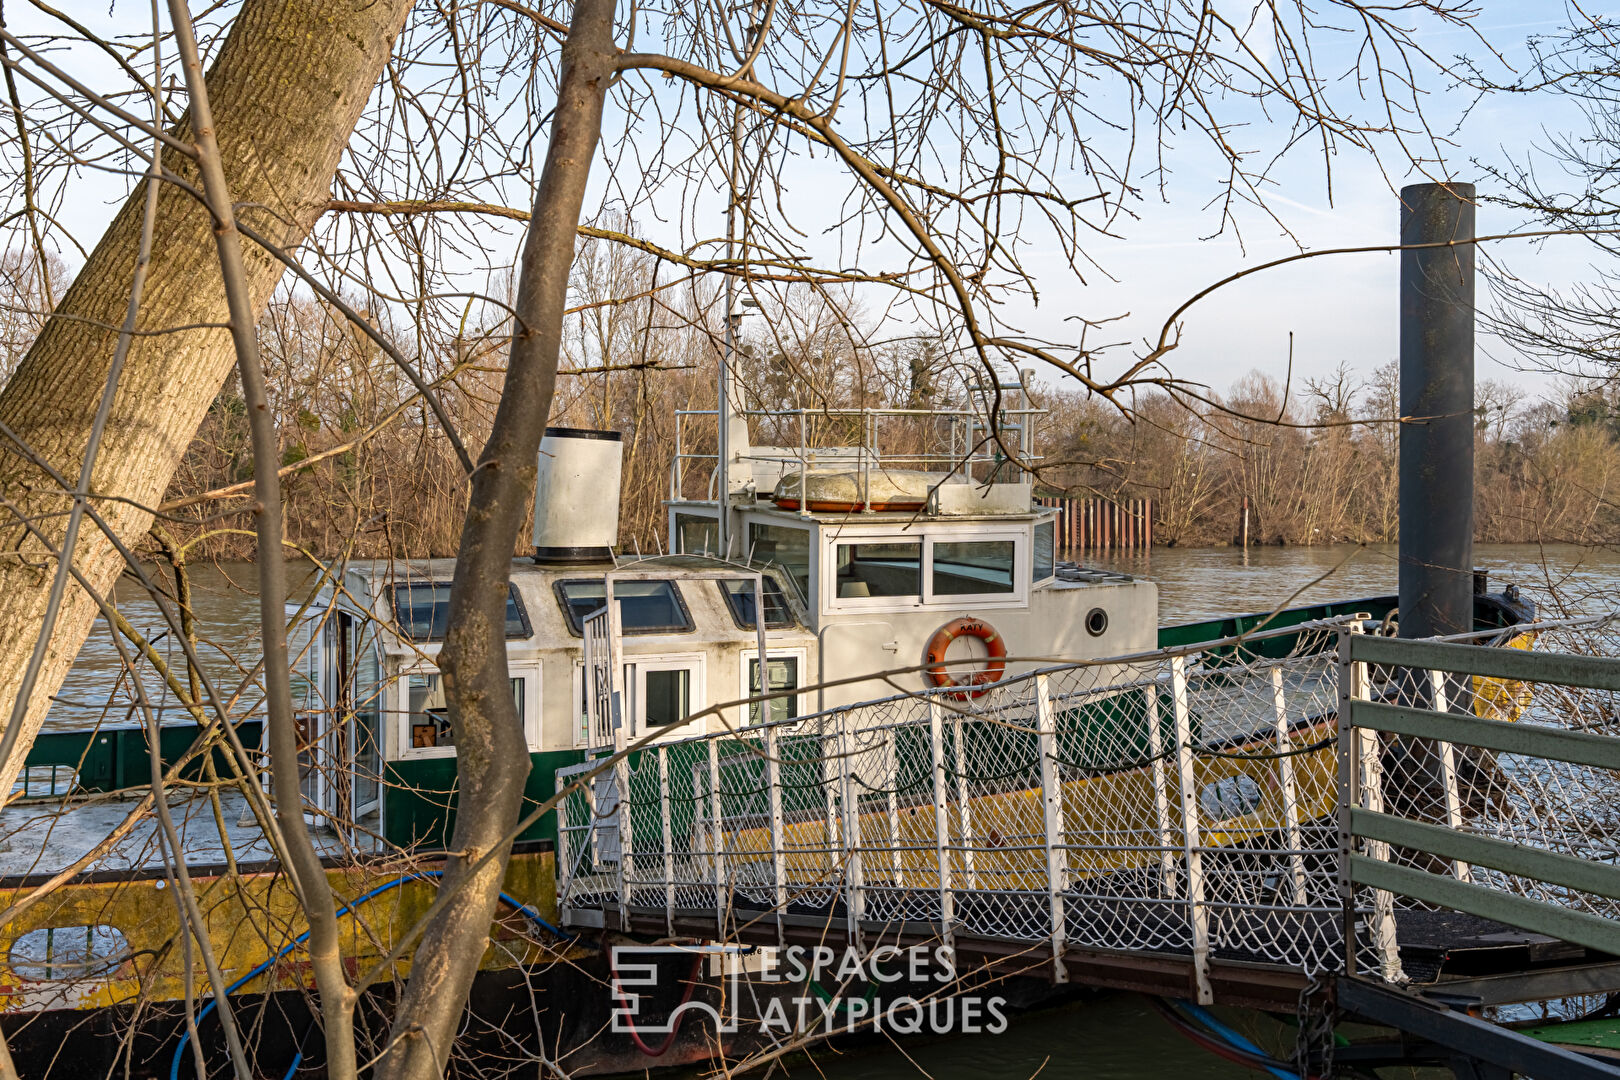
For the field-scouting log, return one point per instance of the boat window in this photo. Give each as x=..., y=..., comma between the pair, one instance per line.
x=1043, y=563
x=430, y=718
x=973, y=567
x=422, y=610
x=645, y=607
x=783, y=672
x=68, y=952
x=783, y=546
x=695, y=535
x=879, y=570
x=739, y=594
x=666, y=696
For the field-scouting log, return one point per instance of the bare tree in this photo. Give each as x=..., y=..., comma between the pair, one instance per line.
x=286, y=100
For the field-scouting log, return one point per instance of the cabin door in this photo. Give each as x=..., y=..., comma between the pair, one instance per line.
x=311, y=654
x=334, y=684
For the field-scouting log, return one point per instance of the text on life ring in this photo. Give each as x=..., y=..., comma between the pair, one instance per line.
x=934, y=654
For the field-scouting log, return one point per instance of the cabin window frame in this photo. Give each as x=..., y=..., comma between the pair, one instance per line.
x=812, y=570
x=527, y=667
x=790, y=619
x=576, y=628
x=392, y=590
x=634, y=669
x=748, y=657
x=676, y=513
x=927, y=535
x=1049, y=522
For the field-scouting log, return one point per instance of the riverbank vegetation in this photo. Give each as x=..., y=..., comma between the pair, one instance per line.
x=368, y=472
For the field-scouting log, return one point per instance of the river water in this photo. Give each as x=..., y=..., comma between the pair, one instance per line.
x=1103, y=1037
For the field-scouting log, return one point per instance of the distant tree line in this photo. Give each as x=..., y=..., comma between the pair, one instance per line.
x=1316, y=465
x=1319, y=464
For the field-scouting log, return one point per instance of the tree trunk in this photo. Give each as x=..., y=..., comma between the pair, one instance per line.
x=492, y=755
x=287, y=89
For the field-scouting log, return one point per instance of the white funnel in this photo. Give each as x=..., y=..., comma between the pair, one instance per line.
x=576, y=495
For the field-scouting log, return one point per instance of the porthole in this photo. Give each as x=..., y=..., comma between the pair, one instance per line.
x=68, y=952
x=1096, y=622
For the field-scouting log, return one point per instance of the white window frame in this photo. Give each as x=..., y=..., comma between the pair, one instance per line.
x=802, y=655
x=1053, y=521
x=1023, y=541
x=528, y=668
x=688, y=510
x=635, y=685
x=812, y=535
x=1022, y=536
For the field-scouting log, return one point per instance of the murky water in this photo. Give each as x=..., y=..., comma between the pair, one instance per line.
x=1203, y=583
x=1105, y=1037
x=225, y=603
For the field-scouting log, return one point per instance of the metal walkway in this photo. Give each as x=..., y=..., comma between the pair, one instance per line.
x=1242, y=822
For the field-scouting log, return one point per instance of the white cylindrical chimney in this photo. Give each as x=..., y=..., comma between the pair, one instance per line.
x=576, y=495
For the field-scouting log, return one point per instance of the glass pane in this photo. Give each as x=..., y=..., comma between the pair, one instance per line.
x=785, y=547
x=422, y=610
x=977, y=566
x=740, y=599
x=367, y=715
x=879, y=570
x=696, y=535
x=644, y=606
x=784, y=675
x=429, y=719
x=669, y=697
x=1043, y=563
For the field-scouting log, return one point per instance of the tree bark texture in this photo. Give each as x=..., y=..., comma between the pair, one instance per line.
x=492, y=755
x=287, y=88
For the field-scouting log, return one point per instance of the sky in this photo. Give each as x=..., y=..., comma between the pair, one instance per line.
x=1337, y=309
x=1302, y=321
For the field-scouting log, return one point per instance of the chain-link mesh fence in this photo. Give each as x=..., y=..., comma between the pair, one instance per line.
x=1182, y=801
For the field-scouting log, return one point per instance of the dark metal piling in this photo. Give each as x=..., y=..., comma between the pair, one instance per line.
x=1437, y=410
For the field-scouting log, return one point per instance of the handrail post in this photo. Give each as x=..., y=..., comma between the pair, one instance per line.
x=942, y=827
x=1290, y=790
x=892, y=762
x=668, y=841
x=718, y=834
x=1346, y=792
x=850, y=834
x=1197, y=910
x=964, y=806
x=1448, y=776
x=1368, y=748
x=773, y=785
x=1161, y=792
x=1057, y=855
x=627, y=867
x=565, y=845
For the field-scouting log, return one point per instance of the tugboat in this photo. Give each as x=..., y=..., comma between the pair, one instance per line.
x=865, y=545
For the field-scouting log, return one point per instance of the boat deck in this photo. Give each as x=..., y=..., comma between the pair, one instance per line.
x=44, y=837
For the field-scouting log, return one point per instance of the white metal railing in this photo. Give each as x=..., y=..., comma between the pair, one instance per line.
x=1208, y=801
x=601, y=701
x=1179, y=801
x=967, y=448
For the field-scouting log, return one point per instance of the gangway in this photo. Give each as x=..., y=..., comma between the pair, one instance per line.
x=1416, y=832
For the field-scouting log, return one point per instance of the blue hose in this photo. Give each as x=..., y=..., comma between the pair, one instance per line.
x=1236, y=1038
x=521, y=908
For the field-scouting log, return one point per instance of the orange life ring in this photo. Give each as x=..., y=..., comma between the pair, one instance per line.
x=934, y=655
